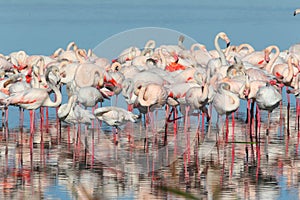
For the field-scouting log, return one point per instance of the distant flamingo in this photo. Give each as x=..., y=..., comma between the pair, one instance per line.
x=201, y=54
x=128, y=54
x=148, y=48
x=244, y=49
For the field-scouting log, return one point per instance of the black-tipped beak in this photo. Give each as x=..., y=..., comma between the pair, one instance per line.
x=228, y=44
x=295, y=13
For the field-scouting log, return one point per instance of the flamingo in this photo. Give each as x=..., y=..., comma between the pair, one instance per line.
x=226, y=102
x=148, y=48
x=220, y=64
x=89, y=74
x=197, y=98
x=128, y=54
x=268, y=98
x=20, y=58
x=285, y=71
x=115, y=117
x=150, y=95
x=201, y=54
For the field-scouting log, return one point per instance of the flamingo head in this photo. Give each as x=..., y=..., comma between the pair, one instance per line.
x=224, y=37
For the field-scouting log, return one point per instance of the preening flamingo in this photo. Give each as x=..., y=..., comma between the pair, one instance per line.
x=226, y=102
x=150, y=95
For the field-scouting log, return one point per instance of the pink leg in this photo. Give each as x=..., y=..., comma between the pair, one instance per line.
x=175, y=120
x=47, y=119
x=233, y=124
x=31, y=113
x=227, y=128
x=297, y=112
x=203, y=123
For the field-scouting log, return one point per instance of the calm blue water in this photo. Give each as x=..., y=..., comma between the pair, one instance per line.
x=40, y=27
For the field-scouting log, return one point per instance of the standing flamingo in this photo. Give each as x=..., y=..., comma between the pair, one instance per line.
x=268, y=98
x=219, y=65
x=226, y=102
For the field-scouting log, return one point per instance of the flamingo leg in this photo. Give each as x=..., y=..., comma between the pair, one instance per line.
x=31, y=113
x=232, y=124
x=227, y=128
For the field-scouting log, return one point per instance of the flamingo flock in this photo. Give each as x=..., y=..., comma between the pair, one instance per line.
x=181, y=80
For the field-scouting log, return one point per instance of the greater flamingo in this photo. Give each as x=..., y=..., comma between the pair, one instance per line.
x=226, y=102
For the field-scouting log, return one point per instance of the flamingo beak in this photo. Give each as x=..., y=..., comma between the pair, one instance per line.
x=227, y=44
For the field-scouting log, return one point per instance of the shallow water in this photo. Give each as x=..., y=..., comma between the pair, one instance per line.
x=60, y=168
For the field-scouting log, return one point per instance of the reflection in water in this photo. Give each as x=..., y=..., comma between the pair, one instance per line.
x=196, y=160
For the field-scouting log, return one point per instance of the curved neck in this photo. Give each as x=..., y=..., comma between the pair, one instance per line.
x=64, y=111
x=220, y=52
x=199, y=46
x=245, y=45
x=268, y=67
x=234, y=97
x=72, y=45
x=162, y=58
x=58, y=96
x=290, y=75
x=150, y=44
x=57, y=52
x=204, y=95
x=41, y=64
x=80, y=55
x=141, y=97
